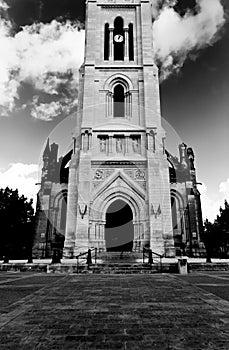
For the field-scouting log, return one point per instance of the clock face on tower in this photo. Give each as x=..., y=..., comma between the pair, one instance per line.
x=118, y=38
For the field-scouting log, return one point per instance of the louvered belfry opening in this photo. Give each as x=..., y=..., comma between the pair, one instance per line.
x=119, y=44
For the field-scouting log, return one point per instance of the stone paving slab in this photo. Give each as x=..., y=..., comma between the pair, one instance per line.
x=217, y=284
x=116, y=312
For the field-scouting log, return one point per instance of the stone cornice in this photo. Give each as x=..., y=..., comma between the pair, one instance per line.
x=118, y=66
x=121, y=163
x=119, y=6
x=116, y=3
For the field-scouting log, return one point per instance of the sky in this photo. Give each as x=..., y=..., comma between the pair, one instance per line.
x=41, y=50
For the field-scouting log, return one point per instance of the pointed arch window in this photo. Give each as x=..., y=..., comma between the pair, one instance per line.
x=178, y=220
x=119, y=101
x=119, y=39
x=63, y=213
x=174, y=212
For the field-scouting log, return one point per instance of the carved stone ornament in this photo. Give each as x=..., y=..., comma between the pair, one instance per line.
x=156, y=213
x=119, y=145
x=140, y=175
x=103, y=145
x=96, y=184
x=130, y=173
x=136, y=144
x=82, y=211
x=108, y=173
x=98, y=174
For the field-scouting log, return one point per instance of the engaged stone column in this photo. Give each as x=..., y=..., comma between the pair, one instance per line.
x=130, y=148
x=136, y=238
x=126, y=31
x=90, y=140
x=110, y=150
x=111, y=51
x=102, y=244
x=69, y=243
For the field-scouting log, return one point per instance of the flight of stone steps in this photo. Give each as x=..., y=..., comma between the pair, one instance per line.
x=123, y=263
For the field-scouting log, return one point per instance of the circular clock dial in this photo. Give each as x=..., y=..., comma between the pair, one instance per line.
x=118, y=38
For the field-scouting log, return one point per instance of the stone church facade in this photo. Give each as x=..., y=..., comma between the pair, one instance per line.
x=118, y=188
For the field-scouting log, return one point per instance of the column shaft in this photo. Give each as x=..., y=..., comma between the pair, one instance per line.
x=126, y=31
x=111, y=51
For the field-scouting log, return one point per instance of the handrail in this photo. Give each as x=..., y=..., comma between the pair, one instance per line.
x=160, y=256
x=146, y=253
x=157, y=254
x=85, y=255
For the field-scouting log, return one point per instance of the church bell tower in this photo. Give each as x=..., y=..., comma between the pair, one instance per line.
x=119, y=163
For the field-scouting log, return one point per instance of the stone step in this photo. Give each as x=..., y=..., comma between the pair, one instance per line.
x=131, y=257
x=111, y=267
x=117, y=268
x=118, y=254
x=123, y=268
x=122, y=265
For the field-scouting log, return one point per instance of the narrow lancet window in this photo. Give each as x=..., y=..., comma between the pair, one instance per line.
x=131, y=42
x=119, y=99
x=106, y=42
x=63, y=213
x=174, y=212
x=119, y=40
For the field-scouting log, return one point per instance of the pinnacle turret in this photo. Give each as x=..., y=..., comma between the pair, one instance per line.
x=46, y=152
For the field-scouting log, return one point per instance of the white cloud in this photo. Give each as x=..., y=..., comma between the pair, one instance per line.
x=210, y=205
x=224, y=189
x=48, y=55
x=49, y=48
x=45, y=55
x=8, y=65
x=46, y=111
x=3, y=5
x=175, y=37
x=22, y=177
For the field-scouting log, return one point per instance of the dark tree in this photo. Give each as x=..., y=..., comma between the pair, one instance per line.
x=17, y=225
x=216, y=235
x=223, y=223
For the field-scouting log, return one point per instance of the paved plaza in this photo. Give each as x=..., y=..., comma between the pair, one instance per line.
x=41, y=311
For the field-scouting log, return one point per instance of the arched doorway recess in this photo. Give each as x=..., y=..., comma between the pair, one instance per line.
x=119, y=228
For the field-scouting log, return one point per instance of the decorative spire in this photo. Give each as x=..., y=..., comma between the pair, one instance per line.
x=47, y=149
x=183, y=155
x=191, y=158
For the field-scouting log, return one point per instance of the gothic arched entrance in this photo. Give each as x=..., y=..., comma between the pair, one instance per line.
x=119, y=228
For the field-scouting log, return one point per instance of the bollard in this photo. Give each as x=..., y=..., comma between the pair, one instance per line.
x=182, y=266
x=89, y=260
x=150, y=257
